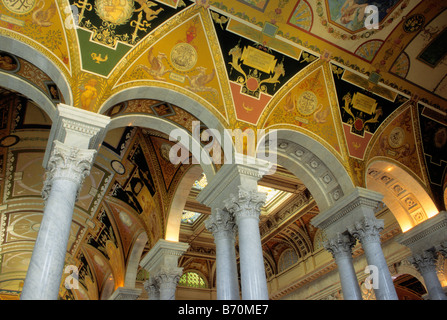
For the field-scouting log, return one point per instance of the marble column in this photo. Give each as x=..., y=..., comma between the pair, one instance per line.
x=221, y=224
x=367, y=231
x=67, y=169
x=123, y=293
x=425, y=263
x=167, y=279
x=425, y=240
x=340, y=247
x=74, y=139
x=246, y=207
x=161, y=262
x=355, y=214
x=152, y=288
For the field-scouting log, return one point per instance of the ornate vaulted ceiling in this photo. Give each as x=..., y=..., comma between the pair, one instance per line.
x=376, y=98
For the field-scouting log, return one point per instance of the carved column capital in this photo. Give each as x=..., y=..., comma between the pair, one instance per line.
x=247, y=203
x=152, y=288
x=221, y=224
x=168, y=277
x=442, y=248
x=424, y=261
x=67, y=163
x=367, y=230
x=340, y=246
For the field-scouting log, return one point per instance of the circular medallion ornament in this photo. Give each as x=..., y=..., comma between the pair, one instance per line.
x=117, y=12
x=183, y=56
x=414, y=23
x=396, y=138
x=9, y=141
x=307, y=103
x=118, y=167
x=19, y=6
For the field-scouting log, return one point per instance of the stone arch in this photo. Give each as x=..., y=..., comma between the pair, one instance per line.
x=403, y=194
x=176, y=98
x=41, y=61
x=166, y=127
x=179, y=201
x=14, y=83
x=134, y=260
x=316, y=166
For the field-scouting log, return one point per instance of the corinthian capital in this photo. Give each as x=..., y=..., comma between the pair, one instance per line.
x=367, y=230
x=247, y=203
x=168, y=277
x=340, y=246
x=424, y=261
x=67, y=163
x=221, y=224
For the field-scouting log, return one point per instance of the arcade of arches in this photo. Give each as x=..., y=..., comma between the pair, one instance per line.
x=352, y=207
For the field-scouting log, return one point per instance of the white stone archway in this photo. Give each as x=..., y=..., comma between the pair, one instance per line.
x=166, y=126
x=316, y=166
x=404, y=195
x=179, y=201
x=41, y=61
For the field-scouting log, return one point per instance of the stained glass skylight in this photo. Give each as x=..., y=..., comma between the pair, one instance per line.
x=189, y=217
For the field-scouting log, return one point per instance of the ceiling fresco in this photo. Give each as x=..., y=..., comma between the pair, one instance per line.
x=366, y=94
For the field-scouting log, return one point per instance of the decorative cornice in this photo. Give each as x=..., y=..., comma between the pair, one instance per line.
x=358, y=198
x=164, y=254
x=425, y=232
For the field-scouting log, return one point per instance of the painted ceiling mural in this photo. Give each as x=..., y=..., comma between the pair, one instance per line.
x=366, y=94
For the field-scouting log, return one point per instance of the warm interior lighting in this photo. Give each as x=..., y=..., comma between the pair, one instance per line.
x=432, y=213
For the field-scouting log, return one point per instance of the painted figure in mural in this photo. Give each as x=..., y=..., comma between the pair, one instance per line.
x=89, y=93
x=351, y=13
x=350, y=10
x=7, y=63
x=146, y=7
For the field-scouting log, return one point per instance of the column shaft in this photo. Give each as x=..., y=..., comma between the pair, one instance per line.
x=341, y=249
x=66, y=170
x=222, y=225
x=44, y=274
x=246, y=207
x=426, y=264
x=226, y=270
x=368, y=233
x=254, y=283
